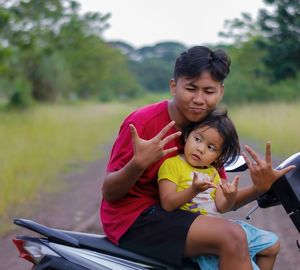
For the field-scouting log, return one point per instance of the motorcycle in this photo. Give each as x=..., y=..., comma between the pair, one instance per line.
x=56, y=249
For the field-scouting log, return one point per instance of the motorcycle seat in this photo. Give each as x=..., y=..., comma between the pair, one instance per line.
x=102, y=244
x=98, y=243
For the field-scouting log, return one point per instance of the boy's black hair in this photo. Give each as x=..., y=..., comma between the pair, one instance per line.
x=198, y=59
x=219, y=120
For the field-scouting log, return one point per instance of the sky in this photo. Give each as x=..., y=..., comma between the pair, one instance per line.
x=147, y=22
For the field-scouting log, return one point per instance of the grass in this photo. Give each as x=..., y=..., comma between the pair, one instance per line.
x=38, y=144
x=275, y=122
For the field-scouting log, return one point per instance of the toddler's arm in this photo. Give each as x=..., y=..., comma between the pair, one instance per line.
x=226, y=195
x=171, y=199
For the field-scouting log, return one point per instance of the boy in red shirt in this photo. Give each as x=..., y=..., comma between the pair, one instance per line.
x=130, y=210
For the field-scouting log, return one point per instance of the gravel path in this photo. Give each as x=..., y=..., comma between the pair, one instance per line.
x=77, y=209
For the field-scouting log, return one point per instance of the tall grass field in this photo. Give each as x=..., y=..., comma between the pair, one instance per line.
x=278, y=123
x=37, y=145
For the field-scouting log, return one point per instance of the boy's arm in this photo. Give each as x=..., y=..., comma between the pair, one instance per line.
x=117, y=184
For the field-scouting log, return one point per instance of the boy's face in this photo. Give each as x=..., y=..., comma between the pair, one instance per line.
x=203, y=146
x=194, y=98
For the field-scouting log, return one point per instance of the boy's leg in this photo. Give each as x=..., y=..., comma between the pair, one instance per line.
x=266, y=258
x=213, y=235
x=263, y=245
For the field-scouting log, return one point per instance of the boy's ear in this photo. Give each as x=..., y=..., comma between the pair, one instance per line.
x=172, y=86
x=222, y=92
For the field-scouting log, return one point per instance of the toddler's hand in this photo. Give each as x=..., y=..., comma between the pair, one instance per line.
x=230, y=189
x=203, y=182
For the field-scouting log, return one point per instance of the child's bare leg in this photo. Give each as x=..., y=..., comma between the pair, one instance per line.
x=212, y=235
x=266, y=258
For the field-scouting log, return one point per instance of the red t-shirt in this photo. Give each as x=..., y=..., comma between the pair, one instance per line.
x=118, y=216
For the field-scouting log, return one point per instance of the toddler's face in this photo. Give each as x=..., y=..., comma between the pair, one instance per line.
x=203, y=146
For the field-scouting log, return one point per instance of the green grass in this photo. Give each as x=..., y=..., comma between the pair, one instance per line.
x=39, y=144
x=275, y=122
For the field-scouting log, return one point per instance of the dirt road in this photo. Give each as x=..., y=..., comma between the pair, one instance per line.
x=76, y=208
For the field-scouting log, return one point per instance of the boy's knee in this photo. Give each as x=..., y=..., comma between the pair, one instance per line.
x=236, y=233
x=272, y=250
x=236, y=239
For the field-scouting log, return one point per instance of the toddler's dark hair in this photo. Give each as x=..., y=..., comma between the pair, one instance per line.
x=199, y=59
x=219, y=120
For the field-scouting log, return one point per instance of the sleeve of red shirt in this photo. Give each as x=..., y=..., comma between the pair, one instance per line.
x=222, y=173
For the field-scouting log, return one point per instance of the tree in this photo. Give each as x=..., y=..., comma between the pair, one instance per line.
x=152, y=65
x=240, y=30
x=34, y=33
x=281, y=27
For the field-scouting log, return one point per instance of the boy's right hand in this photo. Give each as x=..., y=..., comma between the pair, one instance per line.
x=146, y=152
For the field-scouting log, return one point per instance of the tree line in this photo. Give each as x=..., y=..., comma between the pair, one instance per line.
x=50, y=51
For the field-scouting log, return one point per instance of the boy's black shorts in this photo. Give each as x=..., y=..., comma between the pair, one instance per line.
x=159, y=234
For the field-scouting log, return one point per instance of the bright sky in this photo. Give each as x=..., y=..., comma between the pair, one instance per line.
x=191, y=22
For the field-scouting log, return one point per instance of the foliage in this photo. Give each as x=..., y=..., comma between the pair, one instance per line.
x=279, y=29
x=58, y=52
x=240, y=29
x=248, y=80
x=50, y=52
x=152, y=65
x=21, y=97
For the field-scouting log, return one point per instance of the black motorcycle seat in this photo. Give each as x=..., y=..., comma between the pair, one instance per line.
x=102, y=244
x=96, y=242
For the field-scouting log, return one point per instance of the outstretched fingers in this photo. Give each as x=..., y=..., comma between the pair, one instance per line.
x=285, y=170
x=133, y=132
x=153, y=149
x=268, y=156
x=262, y=173
x=230, y=187
x=235, y=181
x=169, y=150
x=248, y=161
x=171, y=137
x=253, y=154
x=165, y=130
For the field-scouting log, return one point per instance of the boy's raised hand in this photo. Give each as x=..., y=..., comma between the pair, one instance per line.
x=262, y=173
x=146, y=152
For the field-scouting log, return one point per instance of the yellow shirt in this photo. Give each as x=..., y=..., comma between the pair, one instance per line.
x=177, y=170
